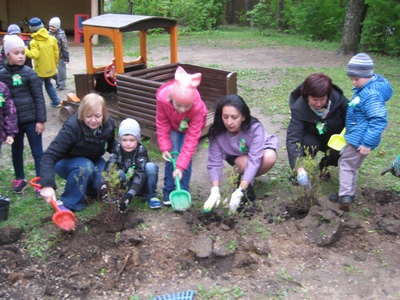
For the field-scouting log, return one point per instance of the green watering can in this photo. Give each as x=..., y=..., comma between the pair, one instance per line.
x=181, y=200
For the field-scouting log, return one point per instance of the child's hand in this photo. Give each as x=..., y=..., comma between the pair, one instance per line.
x=364, y=150
x=10, y=140
x=39, y=128
x=166, y=155
x=178, y=173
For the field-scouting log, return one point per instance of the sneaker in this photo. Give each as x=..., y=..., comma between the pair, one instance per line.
x=108, y=201
x=345, y=202
x=37, y=193
x=166, y=200
x=334, y=198
x=55, y=105
x=19, y=185
x=61, y=206
x=154, y=202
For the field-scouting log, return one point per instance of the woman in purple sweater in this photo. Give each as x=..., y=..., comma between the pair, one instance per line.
x=240, y=139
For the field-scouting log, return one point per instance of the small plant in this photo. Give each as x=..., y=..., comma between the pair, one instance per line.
x=351, y=269
x=366, y=212
x=308, y=196
x=232, y=246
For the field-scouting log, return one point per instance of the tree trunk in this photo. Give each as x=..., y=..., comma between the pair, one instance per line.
x=355, y=15
x=281, y=26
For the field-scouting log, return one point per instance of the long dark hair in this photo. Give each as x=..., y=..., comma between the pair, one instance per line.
x=237, y=102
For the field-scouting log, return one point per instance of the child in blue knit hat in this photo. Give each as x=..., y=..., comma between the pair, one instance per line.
x=366, y=120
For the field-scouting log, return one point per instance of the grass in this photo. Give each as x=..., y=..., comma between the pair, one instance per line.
x=27, y=212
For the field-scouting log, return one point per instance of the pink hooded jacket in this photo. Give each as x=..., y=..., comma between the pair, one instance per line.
x=167, y=119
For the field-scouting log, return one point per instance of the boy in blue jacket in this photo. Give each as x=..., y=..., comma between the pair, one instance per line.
x=366, y=120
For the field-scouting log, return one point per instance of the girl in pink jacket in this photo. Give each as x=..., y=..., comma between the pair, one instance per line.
x=180, y=117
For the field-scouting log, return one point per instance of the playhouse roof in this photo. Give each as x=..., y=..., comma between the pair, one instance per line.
x=127, y=23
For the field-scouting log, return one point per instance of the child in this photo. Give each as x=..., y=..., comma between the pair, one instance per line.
x=180, y=117
x=8, y=116
x=26, y=91
x=136, y=172
x=366, y=120
x=14, y=29
x=44, y=52
x=56, y=31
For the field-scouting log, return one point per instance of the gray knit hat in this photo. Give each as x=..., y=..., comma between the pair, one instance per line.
x=129, y=126
x=35, y=24
x=360, y=66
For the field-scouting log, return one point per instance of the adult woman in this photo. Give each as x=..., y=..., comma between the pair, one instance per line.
x=318, y=110
x=240, y=139
x=76, y=154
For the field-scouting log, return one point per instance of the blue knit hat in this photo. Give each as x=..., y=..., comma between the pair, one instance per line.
x=35, y=24
x=13, y=29
x=360, y=66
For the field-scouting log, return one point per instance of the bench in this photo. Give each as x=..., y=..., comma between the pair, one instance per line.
x=136, y=92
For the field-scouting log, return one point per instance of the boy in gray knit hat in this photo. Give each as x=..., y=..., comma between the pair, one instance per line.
x=138, y=176
x=366, y=120
x=62, y=42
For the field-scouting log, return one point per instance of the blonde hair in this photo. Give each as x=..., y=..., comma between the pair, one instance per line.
x=90, y=104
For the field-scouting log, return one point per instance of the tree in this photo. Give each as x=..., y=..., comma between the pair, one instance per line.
x=355, y=15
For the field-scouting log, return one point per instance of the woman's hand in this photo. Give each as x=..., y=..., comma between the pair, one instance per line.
x=213, y=200
x=48, y=193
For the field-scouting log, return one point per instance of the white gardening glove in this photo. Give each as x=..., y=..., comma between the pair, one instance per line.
x=214, y=199
x=302, y=179
x=235, y=199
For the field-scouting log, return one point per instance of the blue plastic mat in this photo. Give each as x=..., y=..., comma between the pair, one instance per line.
x=188, y=295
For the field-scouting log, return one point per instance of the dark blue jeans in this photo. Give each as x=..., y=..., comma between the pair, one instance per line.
x=177, y=139
x=17, y=148
x=51, y=91
x=150, y=188
x=83, y=178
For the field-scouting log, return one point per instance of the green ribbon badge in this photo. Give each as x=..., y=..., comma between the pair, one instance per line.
x=130, y=172
x=16, y=80
x=184, y=124
x=2, y=101
x=321, y=128
x=242, y=146
x=354, y=102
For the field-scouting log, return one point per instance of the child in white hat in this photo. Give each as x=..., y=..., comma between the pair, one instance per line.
x=26, y=91
x=138, y=175
x=62, y=42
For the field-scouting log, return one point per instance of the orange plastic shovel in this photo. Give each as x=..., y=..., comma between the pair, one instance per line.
x=65, y=219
